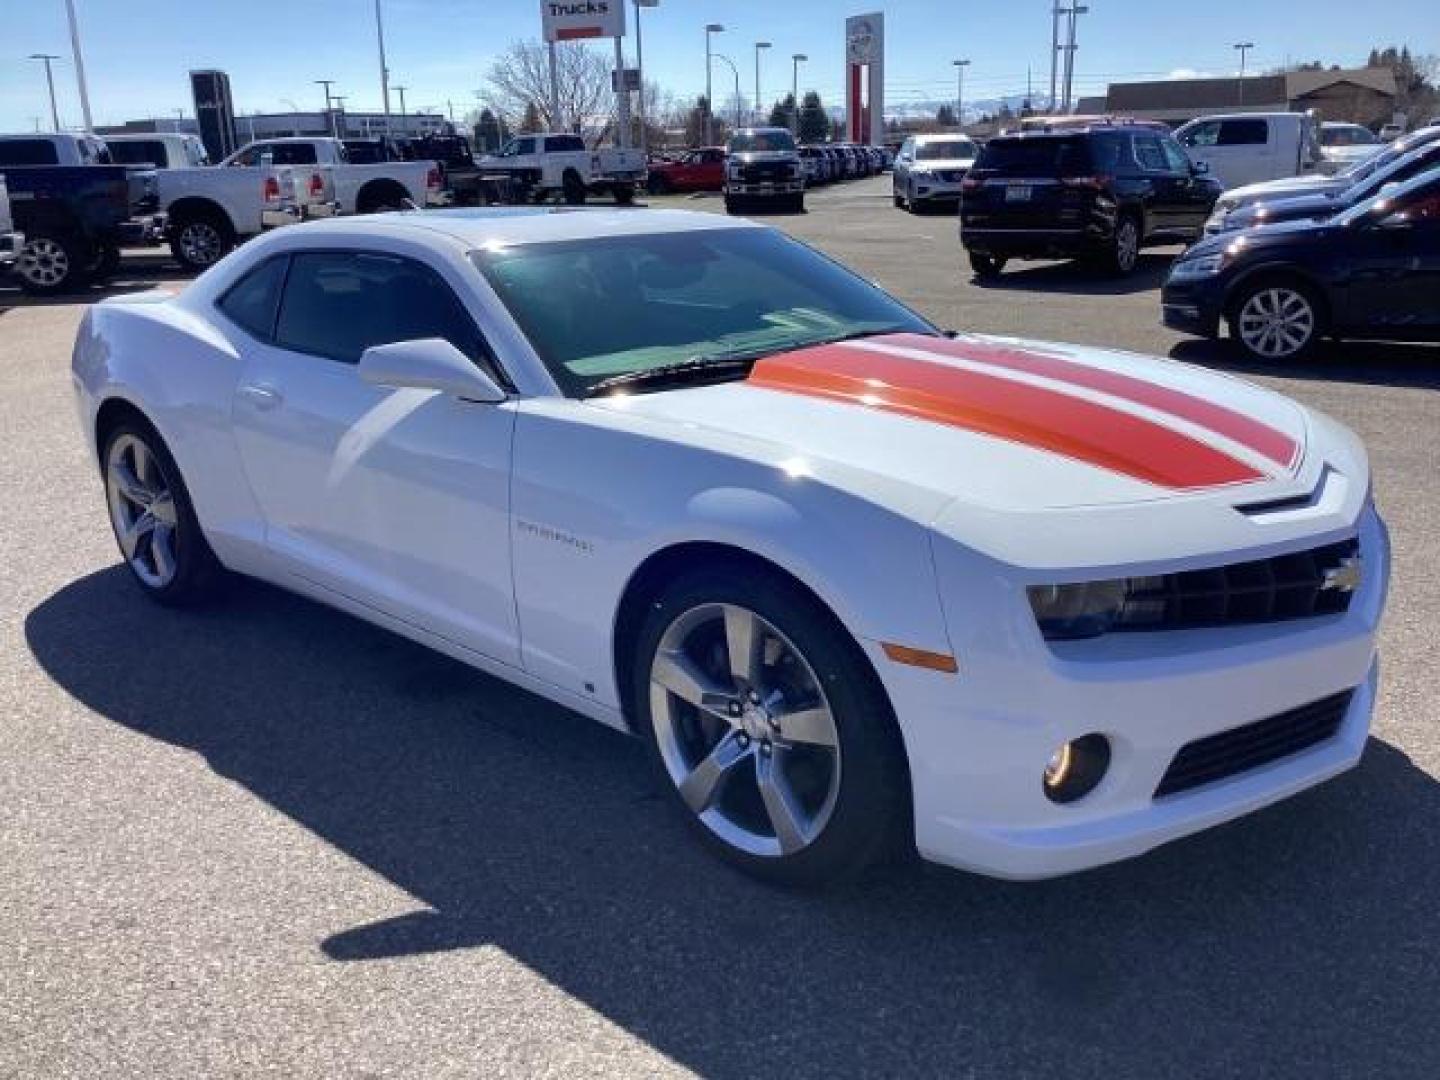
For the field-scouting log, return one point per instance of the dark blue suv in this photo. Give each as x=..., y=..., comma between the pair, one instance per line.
x=1372, y=271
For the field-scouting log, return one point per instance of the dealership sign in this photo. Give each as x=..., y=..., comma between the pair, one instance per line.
x=571, y=20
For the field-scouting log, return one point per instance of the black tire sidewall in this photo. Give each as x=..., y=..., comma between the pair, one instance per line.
x=222, y=231
x=1244, y=295
x=871, y=819
x=197, y=569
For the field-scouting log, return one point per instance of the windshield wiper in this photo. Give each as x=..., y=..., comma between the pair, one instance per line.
x=703, y=368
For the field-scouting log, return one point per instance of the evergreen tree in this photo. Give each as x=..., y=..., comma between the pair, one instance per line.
x=945, y=116
x=531, y=122
x=783, y=110
x=814, y=121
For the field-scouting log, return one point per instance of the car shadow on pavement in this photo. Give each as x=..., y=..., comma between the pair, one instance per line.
x=1080, y=279
x=1370, y=362
x=1301, y=941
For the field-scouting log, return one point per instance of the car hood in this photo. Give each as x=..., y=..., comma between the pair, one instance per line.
x=996, y=423
x=1290, y=186
x=1297, y=208
x=754, y=157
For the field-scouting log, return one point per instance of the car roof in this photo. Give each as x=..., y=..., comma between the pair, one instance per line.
x=478, y=226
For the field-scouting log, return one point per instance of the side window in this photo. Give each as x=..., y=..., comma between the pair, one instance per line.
x=1206, y=134
x=1244, y=133
x=1150, y=154
x=337, y=304
x=523, y=146
x=28, y=152
x=1177, y=159
x=252, y=301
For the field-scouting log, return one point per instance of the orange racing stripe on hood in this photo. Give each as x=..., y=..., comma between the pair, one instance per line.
x=1006, y=409
x=1245, y=430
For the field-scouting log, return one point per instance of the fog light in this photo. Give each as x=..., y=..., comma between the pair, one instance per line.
x=1076, y=769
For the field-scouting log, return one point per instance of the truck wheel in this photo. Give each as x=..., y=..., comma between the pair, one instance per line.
x=986, y=267
x=52, y=263
x=659, y=184
x=624, y=194
x=732, y=205
x=573, y=188
x=199, y=241
x=107, y=262
x=380, y=197
x=796, y=203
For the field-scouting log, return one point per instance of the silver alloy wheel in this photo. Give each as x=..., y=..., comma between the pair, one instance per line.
x=142, y=510
x=745, y=730
x=43, y=262
x=1127, y=245
x=1277, y=322
x=201, y=243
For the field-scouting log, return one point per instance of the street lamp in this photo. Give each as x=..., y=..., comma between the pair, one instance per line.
x=384, y=71
x=79, y=64
x=50, y=81
x=710, y=29
x=640, y=68
x=329, y=112
x=404, y=124
x=795, y=62
x=1074, y=11
x=341, y=124
x=960, y=66
x=738, y=119
x=1243, y=48
x=759, y=45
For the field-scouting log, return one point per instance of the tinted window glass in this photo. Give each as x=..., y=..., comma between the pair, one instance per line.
x=1177, y=159
x=338, y=304
x=1110, y=152
x=139, y=152
x=564, y=143
x=1244, y=133
x=524, y=146
x=598, y=308
x=1034, y=157
x=294, y=154
x=949, y=150
x=251, y=302
x=1149, y=154
x=28, y=152
x=1206, y=134
x=769, y=140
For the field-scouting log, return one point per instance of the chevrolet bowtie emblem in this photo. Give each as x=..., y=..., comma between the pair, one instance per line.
x=1346, y=577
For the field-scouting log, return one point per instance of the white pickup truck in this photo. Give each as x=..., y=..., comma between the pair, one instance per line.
x=359, y=189
x=546, y=165
x=1249, y=148
x=157, y=150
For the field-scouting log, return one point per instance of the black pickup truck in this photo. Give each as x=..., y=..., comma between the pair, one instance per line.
x=74, y=219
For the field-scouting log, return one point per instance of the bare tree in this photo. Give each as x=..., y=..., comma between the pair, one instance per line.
x=520, y=78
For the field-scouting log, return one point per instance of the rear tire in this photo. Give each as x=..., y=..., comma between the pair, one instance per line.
x=54, y=262
x=200, y=240
x=154, y=520
x=810, y=785
x=986, y=267
x=732, y=205
x=573, y=188
x=624, y=195
x=1123, y=254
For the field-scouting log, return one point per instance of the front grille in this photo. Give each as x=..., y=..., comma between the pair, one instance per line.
x=1244, y=748
x=1297, y=585
x=765, y=172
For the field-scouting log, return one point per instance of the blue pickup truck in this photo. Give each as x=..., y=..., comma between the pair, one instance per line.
x=75, y=215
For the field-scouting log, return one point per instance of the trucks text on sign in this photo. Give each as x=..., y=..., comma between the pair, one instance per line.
x=571, y=20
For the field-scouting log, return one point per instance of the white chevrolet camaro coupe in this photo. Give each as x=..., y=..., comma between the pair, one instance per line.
x=860, y=585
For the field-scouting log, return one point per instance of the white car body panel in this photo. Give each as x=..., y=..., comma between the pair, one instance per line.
x=506, y=535
x=346, y=181
x=1291, y=148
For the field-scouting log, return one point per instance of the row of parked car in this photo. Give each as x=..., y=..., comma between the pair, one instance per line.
x=1283, y=263
x=703, y=169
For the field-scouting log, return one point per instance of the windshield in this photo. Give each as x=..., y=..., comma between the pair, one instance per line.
x=760, y=142
x=598, y=308
x=1347, y=135
x=956, y=149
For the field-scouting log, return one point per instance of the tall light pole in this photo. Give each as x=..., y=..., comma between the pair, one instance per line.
x=404, y=129
x=50, y=81
x=340, y=123
x=1074, y=11
x=796, y=61
x=710, y=30
x=329, y=112
x=739, y=120
x=79, y=63
x=640, y=67
x=384, y=71
x=759, y=46
x=1055, y=13
x=960, y=66
x=1243, y=48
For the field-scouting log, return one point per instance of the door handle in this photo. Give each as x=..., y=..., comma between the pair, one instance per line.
x=262, y=395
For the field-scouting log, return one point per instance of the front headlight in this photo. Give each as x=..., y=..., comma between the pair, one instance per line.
x=1195, y=269
x=1069, y=612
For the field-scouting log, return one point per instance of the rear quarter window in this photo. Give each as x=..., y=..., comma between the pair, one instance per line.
x=28, y=152
x=146, y=152
x=562, y=144
x=1244, y=133
x=251, y=303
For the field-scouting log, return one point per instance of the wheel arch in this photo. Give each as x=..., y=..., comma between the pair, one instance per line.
x=198, y=206
x=1276, y=271
x=375, y=192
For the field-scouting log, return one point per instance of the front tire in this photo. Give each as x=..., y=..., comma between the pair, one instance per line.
x=573, y=188
x=1277, y=320
x=766, y=724
x=986, y=267
x=154, y=520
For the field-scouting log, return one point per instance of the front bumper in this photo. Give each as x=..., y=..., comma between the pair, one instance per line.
x=932, y=188
x=741, y=189
x=978, y=742
x=1057, y=243
x=10, y=245
x=1193, y=307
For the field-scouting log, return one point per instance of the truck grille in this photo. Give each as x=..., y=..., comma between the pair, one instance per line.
x=1241, y=749
x=765, y=172
x=1296, y=585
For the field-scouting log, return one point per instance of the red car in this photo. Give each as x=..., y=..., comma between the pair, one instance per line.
x=696, y=170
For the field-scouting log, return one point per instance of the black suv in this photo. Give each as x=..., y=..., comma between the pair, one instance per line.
x=1098, y=193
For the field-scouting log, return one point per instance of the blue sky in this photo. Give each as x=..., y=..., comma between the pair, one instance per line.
x=137, y=55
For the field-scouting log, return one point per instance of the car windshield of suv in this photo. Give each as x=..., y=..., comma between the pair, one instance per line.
x=600, y=308
x=761, y=142
x=1034, y=156
x=953, y=150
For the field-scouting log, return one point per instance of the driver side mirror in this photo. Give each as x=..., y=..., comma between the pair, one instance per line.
x=1200, y=168
x=428, y=364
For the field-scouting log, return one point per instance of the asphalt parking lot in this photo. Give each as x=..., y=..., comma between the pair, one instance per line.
x=267, y=839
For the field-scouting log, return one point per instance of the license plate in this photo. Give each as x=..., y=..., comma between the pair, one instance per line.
x=1018, y=193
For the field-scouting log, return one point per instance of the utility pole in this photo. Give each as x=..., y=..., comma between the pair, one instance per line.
x=384, y=71
x=49, y=81
x=1243, y=48
x=1074, y=11
x=329, y=112
x=640, y=67
x=710, y=29
x=739, y=120
x=1055, y=13
x=960, y=66
x=340, y=123
x=622, y=97
x=179, y=117
x=404, y=125
x=797, y=60
x=79, y=64
x=759, y=46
